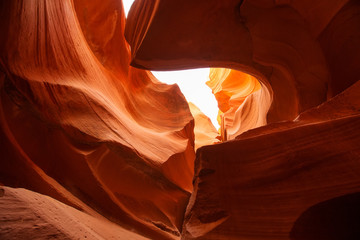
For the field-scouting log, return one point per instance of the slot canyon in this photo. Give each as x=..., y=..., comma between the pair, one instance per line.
x=94, y=146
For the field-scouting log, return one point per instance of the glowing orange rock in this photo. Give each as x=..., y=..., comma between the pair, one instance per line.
x=204, y=130
x=282, y=179
x=273, y=181
x=274, y=41
x=78, y=124
x=82, y=126
x=241, y=100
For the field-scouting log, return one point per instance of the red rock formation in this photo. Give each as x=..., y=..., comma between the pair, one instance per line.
x=204, y=130
x=258, y=186
x=82, y=126
x=303, y=53
x=35, y=216
x=242, y=102
x=271, y=42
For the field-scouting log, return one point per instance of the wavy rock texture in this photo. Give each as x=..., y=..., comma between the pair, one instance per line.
x=287, y=45
x=242, y=102
x=204, y=130
x=25, y=214
x=278, y=182
x=82, y=126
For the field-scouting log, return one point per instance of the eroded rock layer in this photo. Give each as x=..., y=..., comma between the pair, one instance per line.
x=243, y=103
x=204, y=130
x=80, y=125
x=273, y=182
x=26, y=214
x=279, y=181
x=287, y=45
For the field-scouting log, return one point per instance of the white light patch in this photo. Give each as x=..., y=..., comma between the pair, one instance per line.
x=192, y=85
x=127, y=4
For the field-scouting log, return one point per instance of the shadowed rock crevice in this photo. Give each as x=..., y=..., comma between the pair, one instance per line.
x=334, y=219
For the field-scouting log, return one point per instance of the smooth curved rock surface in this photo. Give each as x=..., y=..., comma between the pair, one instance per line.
x=256, y=187
x=242, y=102
x=204, y=130
x=275, y=41
x=79, y=123
x=25, y=214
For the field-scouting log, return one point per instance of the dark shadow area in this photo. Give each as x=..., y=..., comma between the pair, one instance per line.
x=334, y=219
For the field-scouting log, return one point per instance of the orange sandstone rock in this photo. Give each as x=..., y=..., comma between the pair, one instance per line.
x=242, y=102
x=82, y=126
x=268, y=182
x=32, y=215
x=287, y=45
x=204, y=130
x=269, y=40
x=279, y=181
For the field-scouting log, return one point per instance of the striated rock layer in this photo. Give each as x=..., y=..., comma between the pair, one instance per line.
x=243, y=103
x=297, y=180
x=25, y=214
x=276, y=181
x=80, y=125
x=204, y=130
x=301, y=52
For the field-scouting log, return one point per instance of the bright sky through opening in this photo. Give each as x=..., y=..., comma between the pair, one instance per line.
x=127, y=5
x=191, y=83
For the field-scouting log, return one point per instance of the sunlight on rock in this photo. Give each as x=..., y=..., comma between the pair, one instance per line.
x=192, y=84
x=89, y=135
x=243, y=103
